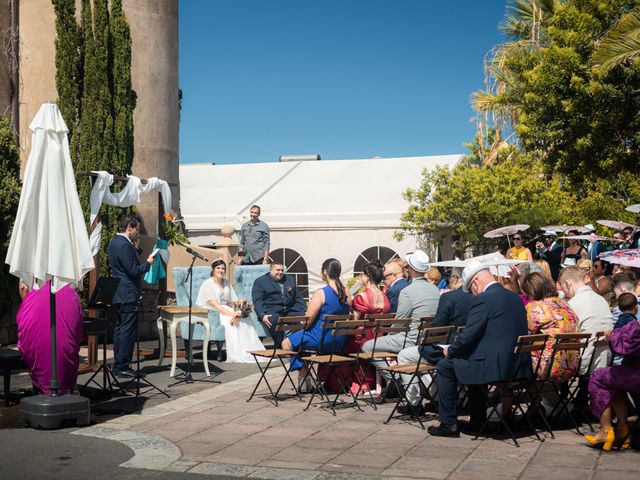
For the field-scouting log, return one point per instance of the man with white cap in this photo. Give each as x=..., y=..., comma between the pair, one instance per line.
x=482, y=353
x=418, y=299
x=551, y=251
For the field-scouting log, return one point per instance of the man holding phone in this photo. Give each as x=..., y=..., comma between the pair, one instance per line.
x=125, y=264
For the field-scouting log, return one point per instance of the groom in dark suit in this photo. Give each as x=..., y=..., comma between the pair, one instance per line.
x=275, y=295
x=483, y=352
x=125, y=264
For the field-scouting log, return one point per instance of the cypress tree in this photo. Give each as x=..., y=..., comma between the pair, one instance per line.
x=97, y=87
x=68, y=63
x=124, y=98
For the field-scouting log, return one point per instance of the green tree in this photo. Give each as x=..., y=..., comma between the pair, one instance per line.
x=9, y=198
x=472, y=199
x=99, y=98
x=621, y=44
x=68, y=63
x=581, y=121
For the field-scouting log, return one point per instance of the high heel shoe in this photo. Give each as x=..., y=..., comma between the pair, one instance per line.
x=606, y=444
x=623, y=438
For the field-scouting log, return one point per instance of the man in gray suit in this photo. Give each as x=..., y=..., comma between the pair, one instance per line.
x=418, y=299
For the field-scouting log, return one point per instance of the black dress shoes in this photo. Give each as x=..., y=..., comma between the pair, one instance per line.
x=469, y=427
x=128, y=373
x=444, y=430
x=413, y=410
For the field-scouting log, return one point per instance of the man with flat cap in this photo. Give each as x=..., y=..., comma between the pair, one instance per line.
x=482, y=353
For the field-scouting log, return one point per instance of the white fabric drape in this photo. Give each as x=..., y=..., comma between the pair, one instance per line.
x=128, y=196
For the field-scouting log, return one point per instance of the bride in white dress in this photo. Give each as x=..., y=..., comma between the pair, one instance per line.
x=240, y=334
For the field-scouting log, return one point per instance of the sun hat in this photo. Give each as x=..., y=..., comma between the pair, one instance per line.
x=550, y=233
x=590, y=227
x=418, y=260
x=471, y=271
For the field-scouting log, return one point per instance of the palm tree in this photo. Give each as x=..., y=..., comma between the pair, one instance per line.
x=621, y=44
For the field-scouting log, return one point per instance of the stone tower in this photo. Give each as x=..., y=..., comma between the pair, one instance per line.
x=154, y=71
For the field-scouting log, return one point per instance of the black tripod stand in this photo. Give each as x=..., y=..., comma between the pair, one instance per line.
x=186, y=375
x=141, y=379
x=101, y=302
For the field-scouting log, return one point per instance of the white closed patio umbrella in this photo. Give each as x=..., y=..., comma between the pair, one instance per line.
x=49, y=239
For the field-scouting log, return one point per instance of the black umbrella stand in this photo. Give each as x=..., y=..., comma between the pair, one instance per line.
x=54, y=410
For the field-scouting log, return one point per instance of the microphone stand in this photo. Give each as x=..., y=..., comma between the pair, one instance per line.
x=187, y=377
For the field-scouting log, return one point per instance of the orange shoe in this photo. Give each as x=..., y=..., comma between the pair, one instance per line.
x=623, y=437
x=606, y=444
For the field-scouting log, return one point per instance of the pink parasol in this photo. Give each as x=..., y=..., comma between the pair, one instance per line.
x=629, y=257
x=506, y=231
x=592, y=238
x=564, y=228
x=633, y=208
x=616, y=225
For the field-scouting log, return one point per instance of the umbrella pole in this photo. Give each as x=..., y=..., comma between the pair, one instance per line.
x=509, y=241
x=53, y=381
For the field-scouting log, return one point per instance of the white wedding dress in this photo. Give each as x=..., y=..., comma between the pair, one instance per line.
x=239, y=338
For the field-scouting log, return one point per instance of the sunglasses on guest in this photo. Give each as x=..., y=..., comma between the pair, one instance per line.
x=517, y=238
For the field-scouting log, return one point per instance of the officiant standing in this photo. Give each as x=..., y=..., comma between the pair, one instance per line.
x=124, y=256
x=254, y=240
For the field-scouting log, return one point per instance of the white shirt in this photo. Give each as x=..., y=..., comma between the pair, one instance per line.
x=593, y=316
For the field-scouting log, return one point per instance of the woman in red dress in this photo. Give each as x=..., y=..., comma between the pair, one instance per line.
x=370, y=300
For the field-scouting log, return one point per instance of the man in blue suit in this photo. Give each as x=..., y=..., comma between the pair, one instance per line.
x=275, y=295
x=483, y=352
x=394, y=282
x=125, y=265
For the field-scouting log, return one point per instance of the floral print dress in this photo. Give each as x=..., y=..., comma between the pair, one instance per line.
x=552, y=316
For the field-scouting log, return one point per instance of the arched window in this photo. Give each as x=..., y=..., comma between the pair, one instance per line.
x=385, y=254
x=294, y=265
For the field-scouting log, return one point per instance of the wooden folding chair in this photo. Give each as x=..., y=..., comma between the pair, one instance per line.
x=427, y=336
x=287, y=325
x=576, y=342
x=332, y=361
x=383, y=325
x=516, y=388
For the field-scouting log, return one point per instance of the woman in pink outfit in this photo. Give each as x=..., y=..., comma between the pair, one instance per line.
x=34, y=338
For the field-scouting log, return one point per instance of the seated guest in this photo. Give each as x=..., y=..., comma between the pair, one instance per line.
x=452, y=310
x=240, y=334
x=371, y=299
x=394, y=282
x=417, y=300
x=600, y=281
x=548, y=314
x=483, y=352
x=544, y=266
x=623, y=282
x=275, y=295
x=628, y=306
x=608, y=387
x=332, y=299
x=433, y=276
x=34, y=338
x=592, y=310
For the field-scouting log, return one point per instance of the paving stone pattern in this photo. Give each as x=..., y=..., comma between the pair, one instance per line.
x=217, y=432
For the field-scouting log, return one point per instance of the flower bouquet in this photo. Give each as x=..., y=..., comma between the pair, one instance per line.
x=244, y=307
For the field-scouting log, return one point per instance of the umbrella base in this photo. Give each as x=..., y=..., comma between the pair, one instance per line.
x=46, y=412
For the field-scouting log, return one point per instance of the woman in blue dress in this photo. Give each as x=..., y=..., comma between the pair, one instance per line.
x=331, y=299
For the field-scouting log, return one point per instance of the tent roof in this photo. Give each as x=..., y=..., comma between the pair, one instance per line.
x=304, y=195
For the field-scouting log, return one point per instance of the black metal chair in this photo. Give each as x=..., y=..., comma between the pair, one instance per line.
x=287, y=325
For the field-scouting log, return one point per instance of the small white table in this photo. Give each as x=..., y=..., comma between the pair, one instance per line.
x=174, y=315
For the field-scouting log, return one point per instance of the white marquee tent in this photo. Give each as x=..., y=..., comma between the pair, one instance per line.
x=315, y=209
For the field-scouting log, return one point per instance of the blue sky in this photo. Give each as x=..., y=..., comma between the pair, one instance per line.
x=342, y=78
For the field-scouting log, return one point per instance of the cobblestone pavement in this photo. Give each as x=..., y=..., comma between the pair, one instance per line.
x=215, y=431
